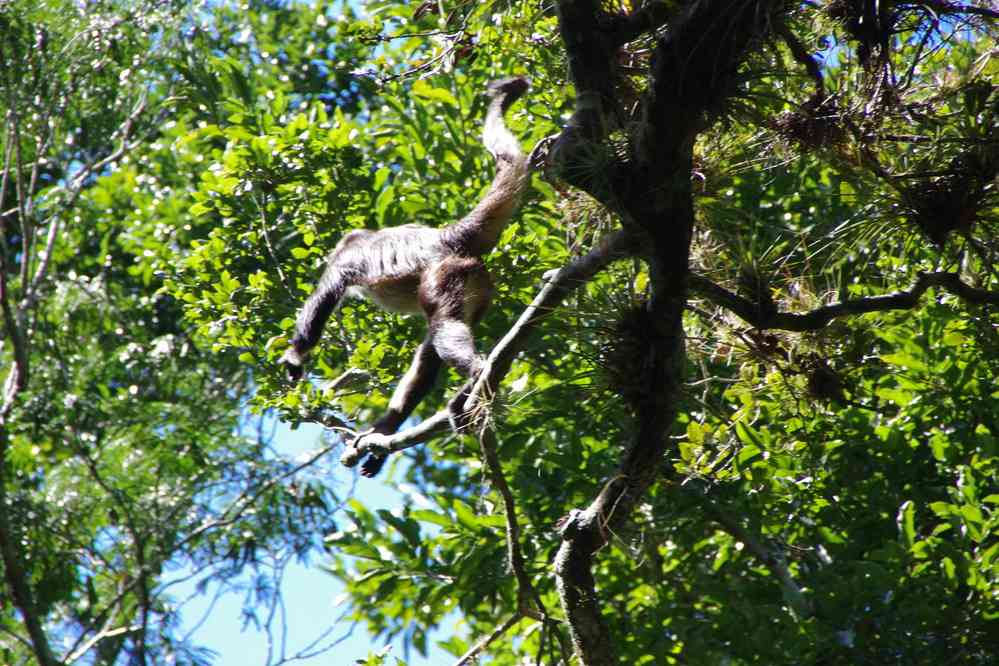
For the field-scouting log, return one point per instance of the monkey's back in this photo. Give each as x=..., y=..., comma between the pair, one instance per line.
x=388, y=265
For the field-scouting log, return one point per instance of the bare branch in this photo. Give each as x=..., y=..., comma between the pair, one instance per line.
x=528, y=601
x=592, y=69
x=692, y=72
x=17, y=378
x=98, y=637
x=582, y=535
x=802, y=56
x=644, y=20
x=772, y=558
x=11, y=552
x=486, y=641
x=763, y=319
x=247, y=499
x=560, y=285
x=261, y=204
x=75, y=189
x=385, y=444
x=16, y=636
x=943, y=7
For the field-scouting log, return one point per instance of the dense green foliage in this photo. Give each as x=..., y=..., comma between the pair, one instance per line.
x=173, y=178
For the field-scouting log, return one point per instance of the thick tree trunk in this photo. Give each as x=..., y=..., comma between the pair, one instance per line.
x=649, y=188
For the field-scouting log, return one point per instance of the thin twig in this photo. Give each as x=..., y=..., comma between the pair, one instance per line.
x=486, y=641
x=75, y=190
x=772, y=558
x=267, y=242
x=528, y=601
x=942, y=7
x=109, y=633
x=802, y=55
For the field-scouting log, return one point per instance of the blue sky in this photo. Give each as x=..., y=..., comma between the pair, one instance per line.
x=310, y=595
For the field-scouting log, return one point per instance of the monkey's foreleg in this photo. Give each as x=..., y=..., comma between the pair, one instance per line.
x=316, y=311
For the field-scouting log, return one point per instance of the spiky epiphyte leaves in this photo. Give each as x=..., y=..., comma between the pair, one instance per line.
x=824, y=383
x=755, y=285
x=953, y=201
x=818, y=123
x=583, y=219
x=589, y=167
x=625, y=357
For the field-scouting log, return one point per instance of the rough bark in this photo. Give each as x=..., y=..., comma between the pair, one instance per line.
x=691, y=74
x=763, y=318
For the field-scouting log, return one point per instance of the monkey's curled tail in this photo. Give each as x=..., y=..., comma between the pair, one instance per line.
x=478, y=232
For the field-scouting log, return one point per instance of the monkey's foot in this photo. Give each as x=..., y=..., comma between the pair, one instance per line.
x=372, y=465
x=373, y=443
x=538, y=158
x=292, y=362
x=549, y=276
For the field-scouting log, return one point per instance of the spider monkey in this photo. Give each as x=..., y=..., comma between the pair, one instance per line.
x=417, y=269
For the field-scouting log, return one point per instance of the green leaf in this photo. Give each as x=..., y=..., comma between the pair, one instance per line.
x=423, y=90
x=466, y=516
x=906, y=522
x=433, y=517
x=382, y=202
x=905, y=360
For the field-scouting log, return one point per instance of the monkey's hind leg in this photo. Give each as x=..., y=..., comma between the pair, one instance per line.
x=412, y=388
x=454, y=295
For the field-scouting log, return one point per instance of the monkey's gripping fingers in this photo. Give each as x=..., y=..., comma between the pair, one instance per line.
x=370, y=442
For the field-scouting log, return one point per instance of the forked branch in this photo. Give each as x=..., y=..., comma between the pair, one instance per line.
x=762, y=318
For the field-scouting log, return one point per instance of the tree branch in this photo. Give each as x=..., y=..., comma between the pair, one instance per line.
x=17, y=378
x=583, y=533
x=816, y=319
x=772, y=558
x=644, y=20
x=98, y=637
x=74, y=190
x=693, y=70
x=802, y=56
x=13, y=571
x=942, y=7
x=528, y=602
x=579, y=153
x=486, y=641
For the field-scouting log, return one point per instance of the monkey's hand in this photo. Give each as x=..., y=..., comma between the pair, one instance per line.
x=292, y=362
x=370, y=442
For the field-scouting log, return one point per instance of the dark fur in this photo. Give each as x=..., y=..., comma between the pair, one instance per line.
x=436, y=272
